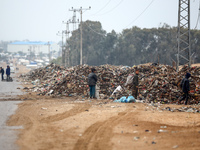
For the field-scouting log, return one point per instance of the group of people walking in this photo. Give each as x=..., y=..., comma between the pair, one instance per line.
x=7, y=72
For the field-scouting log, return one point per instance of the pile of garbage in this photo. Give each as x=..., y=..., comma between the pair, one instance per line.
x=157, y=83
x=56, y=80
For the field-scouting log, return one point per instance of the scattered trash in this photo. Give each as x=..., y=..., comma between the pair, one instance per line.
x=44, y=108
x=183, y=109
x=190, y=110
x=161, y=131
x=135, y=125
x=147, y=131
x=123, y=99
x=136, y=138
x=176, y=146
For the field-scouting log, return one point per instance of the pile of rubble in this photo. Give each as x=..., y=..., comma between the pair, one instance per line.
x=157, y=83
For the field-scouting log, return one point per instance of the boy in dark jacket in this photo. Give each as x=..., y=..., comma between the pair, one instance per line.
x=8, y=72
x=185, y=85
x=92, y=80
x=2, y=73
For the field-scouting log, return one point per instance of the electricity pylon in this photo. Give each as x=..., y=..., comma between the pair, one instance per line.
x=183, y=36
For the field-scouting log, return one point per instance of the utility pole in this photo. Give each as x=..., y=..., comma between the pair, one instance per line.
x=183, y=36
x=66, y=46
x=81, y=40
x=63, y=52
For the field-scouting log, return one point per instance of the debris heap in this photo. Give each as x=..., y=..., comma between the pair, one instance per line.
x=157, y=83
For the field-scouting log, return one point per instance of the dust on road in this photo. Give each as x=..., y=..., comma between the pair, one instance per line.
x=67, y=124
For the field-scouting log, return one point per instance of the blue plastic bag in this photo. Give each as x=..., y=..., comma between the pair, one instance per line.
x=123, y=99
x=131, y=99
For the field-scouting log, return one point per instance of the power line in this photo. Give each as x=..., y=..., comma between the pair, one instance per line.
x=94, y=30
x=198, y=16
x=102, y=8
x=111, y=9
x=141, y=13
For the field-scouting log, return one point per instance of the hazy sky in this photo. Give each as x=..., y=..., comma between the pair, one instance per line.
x=40, y=20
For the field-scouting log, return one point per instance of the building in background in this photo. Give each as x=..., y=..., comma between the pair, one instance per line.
x=33, y=46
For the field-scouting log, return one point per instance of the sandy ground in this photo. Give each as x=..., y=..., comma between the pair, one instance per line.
x=66, y=124
x=73, y=124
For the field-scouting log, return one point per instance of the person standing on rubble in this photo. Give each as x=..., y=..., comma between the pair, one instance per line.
x=185, y=85
x=2, y=73
x=135, y=84
x=8, y=72
x=92, y=80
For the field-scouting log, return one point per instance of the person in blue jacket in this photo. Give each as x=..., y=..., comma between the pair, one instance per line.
x=92, y=80
x=185, y=85
x=8, y=72
x=2, y=73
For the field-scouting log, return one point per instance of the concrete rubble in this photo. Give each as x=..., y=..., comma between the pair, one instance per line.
x=157, y=83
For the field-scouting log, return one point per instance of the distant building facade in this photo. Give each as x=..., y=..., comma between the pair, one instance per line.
x=32, y=46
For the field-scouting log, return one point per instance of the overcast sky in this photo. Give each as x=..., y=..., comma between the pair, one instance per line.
x=40, y=20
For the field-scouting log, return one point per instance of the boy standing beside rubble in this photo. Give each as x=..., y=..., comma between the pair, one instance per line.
x=185, y=85
x=92, y=80
x=135, y=84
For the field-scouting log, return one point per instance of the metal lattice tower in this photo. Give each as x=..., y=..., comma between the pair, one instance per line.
x=183, y=36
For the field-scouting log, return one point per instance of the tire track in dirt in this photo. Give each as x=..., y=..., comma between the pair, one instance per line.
x=78, y=108
x=98, y=135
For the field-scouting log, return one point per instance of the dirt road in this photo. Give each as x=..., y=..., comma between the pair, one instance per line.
x=8, y=105
x=73, y=124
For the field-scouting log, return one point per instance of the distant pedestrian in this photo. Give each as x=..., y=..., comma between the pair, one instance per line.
x=185, y=85
x=135, y=84
x=2, y=73
x=8, y=72
x=92, y=80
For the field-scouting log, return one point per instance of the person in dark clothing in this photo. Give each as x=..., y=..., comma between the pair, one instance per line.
x=135, y=84
x=92, y=80
x=2, y=73
x=8, y=72
x=185, y=85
